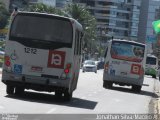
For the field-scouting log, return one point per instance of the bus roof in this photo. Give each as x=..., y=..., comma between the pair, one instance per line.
x=55, y=15
x=150, y=55
x=128, y=41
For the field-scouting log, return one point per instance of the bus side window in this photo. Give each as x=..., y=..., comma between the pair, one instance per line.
x=106, y=52
x=80, y=42
x=77, y=32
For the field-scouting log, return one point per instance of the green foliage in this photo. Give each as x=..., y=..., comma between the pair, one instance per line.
x=40, y=7
x=2, y=43
x=88, y=22
x=4, y=15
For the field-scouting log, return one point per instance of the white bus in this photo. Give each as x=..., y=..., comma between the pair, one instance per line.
x=124, y=64
x=43, y=53
x=151, y=65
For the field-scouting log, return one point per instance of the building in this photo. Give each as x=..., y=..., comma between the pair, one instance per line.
x=20, y=4
x=118, y=18
x=62, y=3
x=149, y=13
x=49, y=2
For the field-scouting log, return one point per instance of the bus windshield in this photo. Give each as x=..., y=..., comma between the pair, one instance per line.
x=151, y=60
x=127, y=51
x=41, y=27
x=89, y=62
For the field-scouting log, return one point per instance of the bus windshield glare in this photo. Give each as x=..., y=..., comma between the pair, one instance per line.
x=127, y=51
x=43, y=28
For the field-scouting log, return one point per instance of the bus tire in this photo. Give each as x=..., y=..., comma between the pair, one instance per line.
x=136, y=88
x=19, y=90
x=67, y=96
x=58, y=94
x=9, y=90
x=107, y=84
x=153, y=76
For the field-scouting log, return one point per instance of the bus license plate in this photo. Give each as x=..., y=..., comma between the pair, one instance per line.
x=124, y=73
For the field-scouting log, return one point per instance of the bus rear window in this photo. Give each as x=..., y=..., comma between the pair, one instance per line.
x=151, y=61
x=127, y=51
x=41, y=27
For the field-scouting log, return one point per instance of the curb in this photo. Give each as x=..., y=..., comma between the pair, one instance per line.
x=157, y=106
x=157, y=101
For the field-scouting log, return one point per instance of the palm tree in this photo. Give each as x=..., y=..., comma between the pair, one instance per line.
x=88, y=22
x=4, y=15
x=40, y=7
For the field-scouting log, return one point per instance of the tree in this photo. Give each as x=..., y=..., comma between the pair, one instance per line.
x=40, y=7
x=88, y=22
x=4, y=15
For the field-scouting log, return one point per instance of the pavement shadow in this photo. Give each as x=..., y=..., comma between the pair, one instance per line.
x=51, y=99
x=129, y=90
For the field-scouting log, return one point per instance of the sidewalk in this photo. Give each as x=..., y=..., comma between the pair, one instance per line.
x=157, y=92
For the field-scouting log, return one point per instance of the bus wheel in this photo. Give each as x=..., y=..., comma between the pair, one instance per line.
x=107, y=84
x=67, y=96
x=10, y=89
x=136, y=88
x=19, y=90
x=153, y=76
x=58, y=94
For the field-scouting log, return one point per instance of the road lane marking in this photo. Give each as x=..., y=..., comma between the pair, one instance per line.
x=51, y=110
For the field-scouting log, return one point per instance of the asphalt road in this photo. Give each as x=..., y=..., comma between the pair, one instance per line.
x=89, y=98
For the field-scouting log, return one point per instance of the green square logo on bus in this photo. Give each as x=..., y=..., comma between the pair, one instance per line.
x=56, y=59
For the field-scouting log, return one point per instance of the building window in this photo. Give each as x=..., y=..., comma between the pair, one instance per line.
x=128, y=1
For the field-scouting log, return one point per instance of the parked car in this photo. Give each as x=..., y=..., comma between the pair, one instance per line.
x=89, y=66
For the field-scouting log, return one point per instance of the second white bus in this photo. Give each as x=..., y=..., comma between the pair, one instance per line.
x=151, y=66
x=124, y=64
